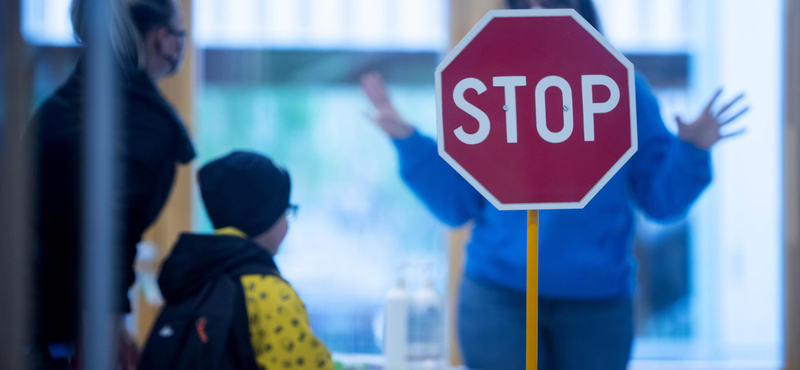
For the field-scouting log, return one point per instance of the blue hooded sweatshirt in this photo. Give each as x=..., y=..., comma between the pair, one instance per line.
x=583, y=254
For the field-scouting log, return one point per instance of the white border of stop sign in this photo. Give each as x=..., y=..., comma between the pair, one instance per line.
x=511, y=124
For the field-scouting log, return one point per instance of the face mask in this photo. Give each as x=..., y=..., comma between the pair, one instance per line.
x=175, y=60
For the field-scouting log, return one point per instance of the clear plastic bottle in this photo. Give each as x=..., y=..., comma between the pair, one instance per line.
x=395, y=345
x=426, y=326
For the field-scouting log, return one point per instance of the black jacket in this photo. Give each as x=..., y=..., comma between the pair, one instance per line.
x=197, y=260
x=152, y=141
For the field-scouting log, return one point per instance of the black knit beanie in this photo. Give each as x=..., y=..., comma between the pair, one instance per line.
x=244, y=190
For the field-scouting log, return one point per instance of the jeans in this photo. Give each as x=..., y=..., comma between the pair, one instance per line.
x=573, y=334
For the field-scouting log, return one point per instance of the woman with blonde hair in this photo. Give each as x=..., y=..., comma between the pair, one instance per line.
x=148, y=40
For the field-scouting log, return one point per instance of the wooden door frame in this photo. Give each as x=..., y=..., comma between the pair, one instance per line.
x=791, y=255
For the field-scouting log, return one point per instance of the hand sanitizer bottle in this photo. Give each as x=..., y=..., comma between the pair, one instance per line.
x=396, y=326
x=426, y=326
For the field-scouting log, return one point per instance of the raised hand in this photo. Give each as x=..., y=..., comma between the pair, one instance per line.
x=385, y=116
x=705, y=131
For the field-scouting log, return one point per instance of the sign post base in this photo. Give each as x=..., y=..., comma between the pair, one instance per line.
x=532, y=298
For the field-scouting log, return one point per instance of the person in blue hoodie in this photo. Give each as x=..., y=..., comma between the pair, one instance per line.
x=586, y=270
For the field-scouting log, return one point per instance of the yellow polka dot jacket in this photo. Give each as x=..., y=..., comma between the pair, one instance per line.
x=270, y=329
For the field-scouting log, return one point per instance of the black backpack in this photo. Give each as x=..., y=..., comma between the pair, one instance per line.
x=209, y=331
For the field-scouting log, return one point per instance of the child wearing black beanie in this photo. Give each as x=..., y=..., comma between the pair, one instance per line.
x=247, y=199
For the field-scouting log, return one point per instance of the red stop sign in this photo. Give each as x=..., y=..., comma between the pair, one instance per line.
x=536, y=109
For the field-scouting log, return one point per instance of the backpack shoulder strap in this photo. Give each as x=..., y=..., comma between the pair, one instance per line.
x=240, y=345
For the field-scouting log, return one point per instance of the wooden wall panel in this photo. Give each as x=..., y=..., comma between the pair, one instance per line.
x=464, y=14
x=792, y=188
x=176, y=217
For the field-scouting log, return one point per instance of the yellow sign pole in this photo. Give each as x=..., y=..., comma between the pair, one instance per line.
x=532, y=317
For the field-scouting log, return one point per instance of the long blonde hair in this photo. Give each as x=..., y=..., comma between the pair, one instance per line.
x=131, y=20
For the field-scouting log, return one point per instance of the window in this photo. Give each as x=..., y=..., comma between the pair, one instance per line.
x=281, y=78
x=709, y=287
x=323, y=24
x=278, y=24
x=46, y=22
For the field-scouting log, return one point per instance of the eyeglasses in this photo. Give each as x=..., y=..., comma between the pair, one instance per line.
x=176, y=32
x=291, y=212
